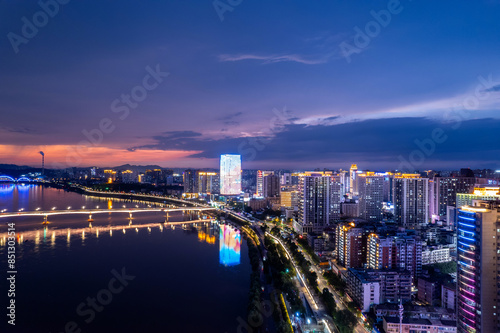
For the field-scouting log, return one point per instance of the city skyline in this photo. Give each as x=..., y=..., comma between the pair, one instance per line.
x=317, y=90
x=282, y=167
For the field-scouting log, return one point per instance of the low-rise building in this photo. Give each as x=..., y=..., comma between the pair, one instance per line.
x=316, y=242
x=433, y=255
x=449, y=296
x=414, y=311
x=410, y=325
x=369, y=287
x=429, y=291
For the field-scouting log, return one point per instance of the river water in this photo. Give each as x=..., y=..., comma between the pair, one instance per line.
x=119, y=275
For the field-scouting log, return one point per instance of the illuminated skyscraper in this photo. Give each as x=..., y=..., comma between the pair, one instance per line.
x=260, y=181
x=271, y=186
x=230, y=174
x=411, y=201
x=190, y=181
x=444, y=192
x=208, y=182
x=352, y=179
x=319, y=201
x=487, y=193
x=478, y=278
x=371, y=196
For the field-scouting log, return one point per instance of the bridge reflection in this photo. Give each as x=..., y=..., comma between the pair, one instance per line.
x=101, y=211
x=52, y=234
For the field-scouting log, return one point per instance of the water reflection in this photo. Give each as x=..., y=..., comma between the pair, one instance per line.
x=229, y=245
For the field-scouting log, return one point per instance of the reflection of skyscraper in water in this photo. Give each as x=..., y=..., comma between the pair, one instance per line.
x=229, y=246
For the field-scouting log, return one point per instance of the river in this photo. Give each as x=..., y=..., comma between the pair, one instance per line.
x=119, y=275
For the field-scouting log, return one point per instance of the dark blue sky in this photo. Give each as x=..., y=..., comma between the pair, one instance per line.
x=271, y=81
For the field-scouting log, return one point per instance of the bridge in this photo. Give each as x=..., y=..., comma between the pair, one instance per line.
x=145, y=197
x=35, y=235
x=9, y=179
x=90, y=212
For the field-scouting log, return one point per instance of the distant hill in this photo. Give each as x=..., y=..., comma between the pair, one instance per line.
x=137, y=168
x=15, y=167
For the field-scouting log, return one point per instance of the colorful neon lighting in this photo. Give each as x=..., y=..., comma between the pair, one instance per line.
x=461, y=236
x=229, y=245
x=467, y=225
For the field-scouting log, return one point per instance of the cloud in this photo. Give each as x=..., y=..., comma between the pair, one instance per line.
x=24, y=130
x=228, y=120
x=230, y=116
x=181, y=134
x=372, y=141
x=495, y=88
x=268, y=59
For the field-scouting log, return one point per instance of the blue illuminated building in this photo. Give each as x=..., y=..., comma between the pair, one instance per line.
x=478, y=275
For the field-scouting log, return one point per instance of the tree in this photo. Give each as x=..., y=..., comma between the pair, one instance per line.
x=329, y=301
x=444, y=267
x=346, y=320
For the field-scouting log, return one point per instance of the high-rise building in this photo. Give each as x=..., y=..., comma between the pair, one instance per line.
x=444, y=192
x=208, y=182
x=286, y=179
x=230, y=174
x=190, y=181
x=270, y=186
x=478, y=277
x=128, y=176
x=110, y=175
x=350, y=245
x=344, y=182
x=411, y=201
x=260, y=181
x=486, y=193
x=395, y=252
x=350, y=208
x=371, y=196
x=319, y=201
x=352, y=179
x=289, y=199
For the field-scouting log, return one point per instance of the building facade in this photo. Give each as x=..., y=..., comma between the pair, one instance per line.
x=444, y=192
x=478, y=280
x=260, y=181
x=371, y=196
x=367, y=286
x=395, y=252
x=411, y=201
x=270, y=186
x=350, y=246
x=230, y=174
x=319, y=201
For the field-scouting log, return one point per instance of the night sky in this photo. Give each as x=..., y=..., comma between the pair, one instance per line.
x=287, y=84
